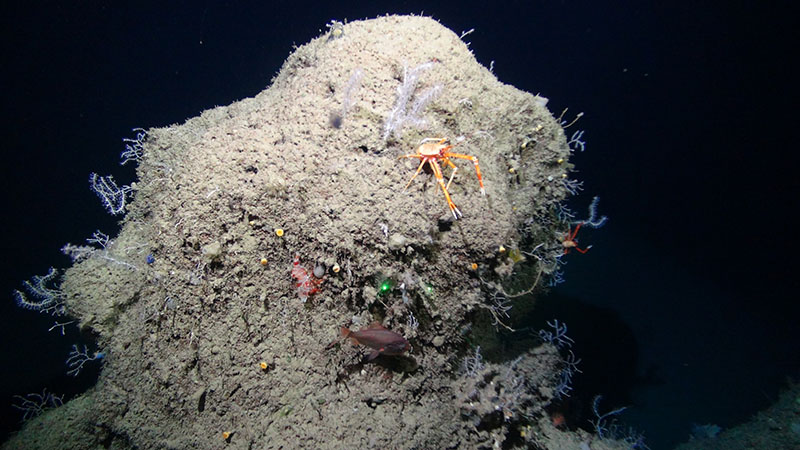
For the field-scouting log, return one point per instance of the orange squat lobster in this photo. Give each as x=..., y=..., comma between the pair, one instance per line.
x=433, y=150
x=569, y=241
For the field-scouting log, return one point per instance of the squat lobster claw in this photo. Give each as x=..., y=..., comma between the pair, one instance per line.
x=433, y=150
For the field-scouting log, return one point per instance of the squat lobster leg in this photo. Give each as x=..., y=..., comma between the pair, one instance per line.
x=437, y=172
x=474, y=161
x=419, y=169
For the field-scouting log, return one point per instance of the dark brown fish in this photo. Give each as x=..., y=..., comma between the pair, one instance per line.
x=379, y=339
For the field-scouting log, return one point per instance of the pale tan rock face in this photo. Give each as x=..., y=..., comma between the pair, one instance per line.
x=185, y=336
